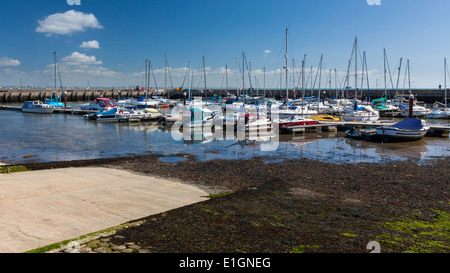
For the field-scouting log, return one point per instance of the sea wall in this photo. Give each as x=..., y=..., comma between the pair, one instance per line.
x=16, y=96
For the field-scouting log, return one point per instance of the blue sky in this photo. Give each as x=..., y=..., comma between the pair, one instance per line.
x=118, y=36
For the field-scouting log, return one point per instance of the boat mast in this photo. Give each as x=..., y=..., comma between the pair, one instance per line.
x=286, y=67
x=320, y=75
x=303, y=83
x=385, y=80
x=329, y=81
x=398, y=78
x=243, y=76
x=445, y=80
x=54, y=66
x=149, y=75
x=367, y=77
x=226, y=83
x=409, y=78
x=226, y=77
x=243, y=80
x=204, y=75
x=146, y=82
x=356, y=65
x=189, y=79
x=237, y=79
x=335, y=83
x=264, y=84
x=293, y=79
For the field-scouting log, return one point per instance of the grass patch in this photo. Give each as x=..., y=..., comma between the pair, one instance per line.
x=220, y=194
x=349, y=235
x=14, y=169
x=303, y=248
x=417, y=236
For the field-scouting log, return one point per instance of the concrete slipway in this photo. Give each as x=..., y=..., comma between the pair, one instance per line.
x=38, y=208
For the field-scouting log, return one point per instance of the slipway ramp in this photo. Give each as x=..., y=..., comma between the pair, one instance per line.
x=38, y=208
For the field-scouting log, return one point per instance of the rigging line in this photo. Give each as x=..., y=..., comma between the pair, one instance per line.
x=221, y=85
x=301, y=71
x=154, y=79
x=390, y=75
x=404, y=79
x=248, y=72
x=398, y=76
x=280, y=54
x=185, y=75
x=367, y=76
x=318, y=71
x=170, y=76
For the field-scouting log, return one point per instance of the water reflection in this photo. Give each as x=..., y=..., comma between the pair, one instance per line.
x=30, y=137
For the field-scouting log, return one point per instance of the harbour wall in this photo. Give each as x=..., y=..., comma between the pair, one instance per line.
x=427, y=96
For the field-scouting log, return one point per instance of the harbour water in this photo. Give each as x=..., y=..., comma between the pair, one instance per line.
x=61, y=137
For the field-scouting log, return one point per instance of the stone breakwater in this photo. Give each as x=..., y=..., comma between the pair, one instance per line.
x=16, y=95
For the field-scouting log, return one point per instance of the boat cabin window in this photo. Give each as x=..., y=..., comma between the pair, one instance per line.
x=101, y=103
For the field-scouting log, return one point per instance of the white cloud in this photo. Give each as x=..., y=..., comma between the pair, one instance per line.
x=5, y=61
x=267, y=51
x=77, y=58
x=67, y=23
x=90, y=44
x=78, y=67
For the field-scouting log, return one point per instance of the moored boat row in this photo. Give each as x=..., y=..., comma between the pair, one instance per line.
x=405, y=130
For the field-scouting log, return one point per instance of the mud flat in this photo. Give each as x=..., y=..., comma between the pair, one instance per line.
x=292, y=206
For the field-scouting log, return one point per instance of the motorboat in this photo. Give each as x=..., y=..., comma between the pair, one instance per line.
x=439, y=111
x=199, y=117
x=37, y=107
x=361, y=113
x=325, y=117
x=253, y=122
x=365, y=134
x=241, y=107
x=124, y=102
x=152, y=113
x=123, y=114
x=407, y=129
x=287, y=111
x=229, y=119
x=56, y=102
x=295, y=121
x=417, y=111
x=104, y=116
x=100, y=104
x=385, y=107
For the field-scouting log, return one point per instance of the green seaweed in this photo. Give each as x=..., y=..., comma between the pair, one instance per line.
x=13, y=169
x=419, y=236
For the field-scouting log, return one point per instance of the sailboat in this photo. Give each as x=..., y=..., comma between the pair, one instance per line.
x=55, y=99
x=383, y=105
x=403, y=107
x=441, y=111
x=359, y=113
